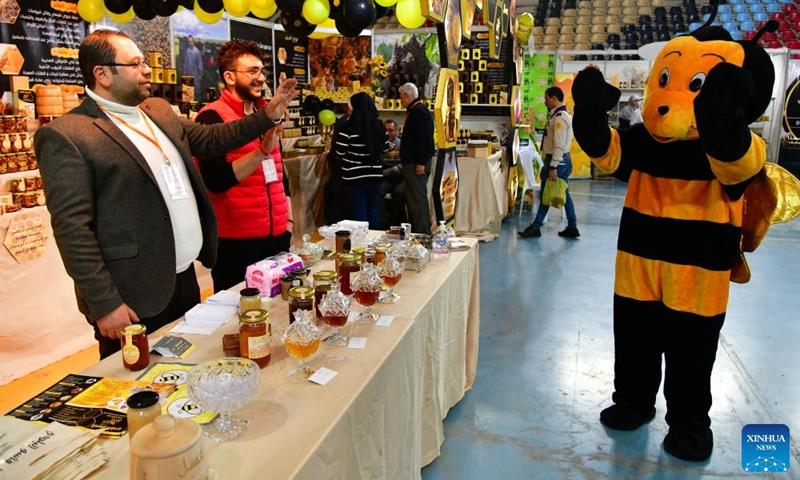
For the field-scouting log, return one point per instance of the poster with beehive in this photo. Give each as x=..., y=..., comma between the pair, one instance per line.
x=39, y=39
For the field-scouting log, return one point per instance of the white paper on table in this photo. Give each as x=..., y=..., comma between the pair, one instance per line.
x=384, y=320
x=211, y=313
x=29, y=450
x=224, y=297
x=195, y=328
x=322, y=376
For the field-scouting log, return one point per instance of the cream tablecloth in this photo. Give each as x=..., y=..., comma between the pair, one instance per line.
x=482, y=199
x=39, y=318
x=381, y=416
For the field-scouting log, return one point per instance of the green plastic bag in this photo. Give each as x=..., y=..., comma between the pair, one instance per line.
x=555, y=193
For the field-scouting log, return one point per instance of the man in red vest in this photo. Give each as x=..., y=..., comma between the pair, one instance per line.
x=248, y=188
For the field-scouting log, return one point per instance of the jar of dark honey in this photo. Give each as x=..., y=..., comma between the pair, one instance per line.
x=349, y=265
x=323, y=280
x=135, y=347
x=300, y=298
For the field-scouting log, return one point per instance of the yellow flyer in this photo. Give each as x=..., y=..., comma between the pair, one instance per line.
x=178, y=404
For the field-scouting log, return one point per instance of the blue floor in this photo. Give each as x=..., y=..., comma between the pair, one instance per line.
x=546, y=359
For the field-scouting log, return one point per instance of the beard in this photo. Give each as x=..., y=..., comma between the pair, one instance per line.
x=245, y=91
x=130, y=94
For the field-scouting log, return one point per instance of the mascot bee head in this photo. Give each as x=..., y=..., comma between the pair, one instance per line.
x=681, y=67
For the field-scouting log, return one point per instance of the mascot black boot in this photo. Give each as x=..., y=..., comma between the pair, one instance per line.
x=689, y=167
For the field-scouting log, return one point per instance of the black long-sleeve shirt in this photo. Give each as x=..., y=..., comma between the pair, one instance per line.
x=417, y=146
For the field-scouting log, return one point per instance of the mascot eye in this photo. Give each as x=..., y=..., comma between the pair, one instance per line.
x=663, y=79
x=697, y=81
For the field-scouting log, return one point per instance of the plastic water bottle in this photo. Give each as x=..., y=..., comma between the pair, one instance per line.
x=441, y=248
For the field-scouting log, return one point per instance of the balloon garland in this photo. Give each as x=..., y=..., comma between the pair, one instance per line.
x=298, y=17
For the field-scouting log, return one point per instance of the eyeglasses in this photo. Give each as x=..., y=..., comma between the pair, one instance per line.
x=138, y=65
x=254, y=72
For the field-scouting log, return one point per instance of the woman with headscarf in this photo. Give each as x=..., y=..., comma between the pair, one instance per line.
x=360, y=145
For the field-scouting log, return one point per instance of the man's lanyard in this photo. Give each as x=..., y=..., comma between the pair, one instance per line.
x=153, y=139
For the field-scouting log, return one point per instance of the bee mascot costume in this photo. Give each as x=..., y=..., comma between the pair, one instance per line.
x=691, y=167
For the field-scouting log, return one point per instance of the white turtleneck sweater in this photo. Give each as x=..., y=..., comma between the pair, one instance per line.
x=183, y=212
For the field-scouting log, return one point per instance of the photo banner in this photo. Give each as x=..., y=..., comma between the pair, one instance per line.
x=40, y=40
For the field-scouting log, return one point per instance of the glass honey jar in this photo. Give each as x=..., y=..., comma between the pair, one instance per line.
x=135, y=347
x=249, y=299
x=348, y=266
x=255, y=336
x=300, y=298
x=323, y=280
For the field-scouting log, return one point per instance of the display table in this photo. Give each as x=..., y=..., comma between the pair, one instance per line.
x=380, y=417
x=482, y=199
x=306, y=174
x=39, y=316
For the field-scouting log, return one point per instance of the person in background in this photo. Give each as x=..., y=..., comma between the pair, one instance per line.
x=248, y=186
x=630, y=114
x=337, y=207
x=360, y=145
x=391, y=134
x=557, y=163
x=393, y=188
x=416, y=153
x=193, y=66
x=129, y=210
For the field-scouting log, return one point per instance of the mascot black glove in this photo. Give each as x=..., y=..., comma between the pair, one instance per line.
x=593, y=98
x=719, y=112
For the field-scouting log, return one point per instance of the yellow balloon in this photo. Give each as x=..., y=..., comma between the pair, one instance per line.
x=329, y=23
x=316, y=11
x=237, y=8
x=264, y=13
x=409, y=13
x=319, y=35
x=91, y=10
x=259, y=4
x=386, y=3
x=122, y=17
x=205, y=17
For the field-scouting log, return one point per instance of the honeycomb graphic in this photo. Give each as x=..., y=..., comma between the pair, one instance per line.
x=11, y=59
x=9, y=11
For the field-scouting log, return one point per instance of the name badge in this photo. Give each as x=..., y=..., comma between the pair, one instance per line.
x=175, y=186
x=270, y=173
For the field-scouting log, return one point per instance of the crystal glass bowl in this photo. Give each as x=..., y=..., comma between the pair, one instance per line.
x=224, y=386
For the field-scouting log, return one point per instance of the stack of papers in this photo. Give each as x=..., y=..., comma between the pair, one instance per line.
x=224, y=297
x=205, y=318
x=30, y=451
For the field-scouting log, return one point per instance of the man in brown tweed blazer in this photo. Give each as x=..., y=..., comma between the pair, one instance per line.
x=129, y=209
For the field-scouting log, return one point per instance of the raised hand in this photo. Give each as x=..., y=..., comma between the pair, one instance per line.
x=284, y=94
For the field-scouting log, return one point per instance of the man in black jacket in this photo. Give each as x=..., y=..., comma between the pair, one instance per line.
x=416, y=152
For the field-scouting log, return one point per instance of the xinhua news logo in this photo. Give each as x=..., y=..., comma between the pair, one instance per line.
x=765, y=448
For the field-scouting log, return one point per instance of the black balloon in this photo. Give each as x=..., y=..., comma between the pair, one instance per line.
x=210, y=6
x=381, y=11
x=164, y=8
x=292, y=7
x=337, y=12
x=327, y=104
x=140, y=3
x=144, y=13
x=312, y=105
x=346, y=29
x=296, y=25
x=360, y=14
x=186, y=4
x=117, y=6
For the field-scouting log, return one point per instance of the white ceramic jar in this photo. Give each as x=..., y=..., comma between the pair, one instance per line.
x=167, y=449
